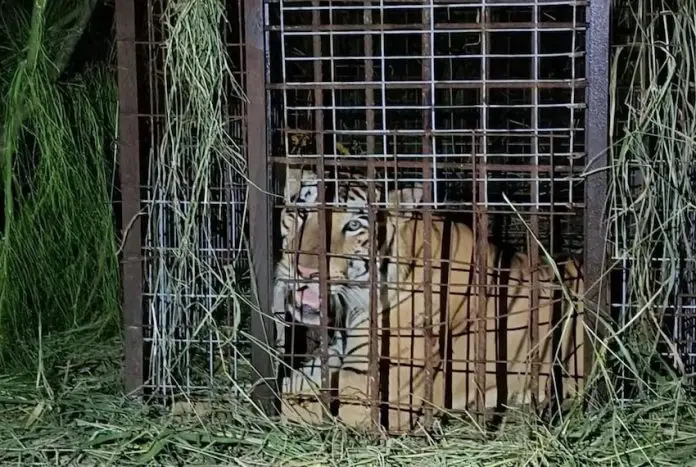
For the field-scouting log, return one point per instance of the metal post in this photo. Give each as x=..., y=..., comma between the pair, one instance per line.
x=596, y=135
x=129, y=167
x=260, y=204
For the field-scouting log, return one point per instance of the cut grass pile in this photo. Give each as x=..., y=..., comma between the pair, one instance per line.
x=652, y=177
x=81, y=421
x=62, y=403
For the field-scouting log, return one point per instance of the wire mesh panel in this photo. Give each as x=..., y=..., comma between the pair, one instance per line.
x=429, y=158
x=192, y=205
x=653, y=223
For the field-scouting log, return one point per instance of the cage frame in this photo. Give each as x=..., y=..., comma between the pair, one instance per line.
x=256, y=56
x=260, y=213
x=598, y=44
x=129, y=170
x=133, y=118
x=597, y=47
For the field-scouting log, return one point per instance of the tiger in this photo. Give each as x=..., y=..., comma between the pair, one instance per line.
x=455, y=300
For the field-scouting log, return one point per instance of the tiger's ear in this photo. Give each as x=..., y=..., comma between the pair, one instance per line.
x=294, y=178
x=406, y=196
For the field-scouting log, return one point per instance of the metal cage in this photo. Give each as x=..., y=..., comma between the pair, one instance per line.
x=495, y=108
x=176, y=341
x=675, y=308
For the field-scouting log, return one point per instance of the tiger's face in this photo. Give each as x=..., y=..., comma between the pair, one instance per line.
x=347, y=240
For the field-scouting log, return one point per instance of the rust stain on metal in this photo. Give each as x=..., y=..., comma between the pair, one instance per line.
x=578, y=83
x=480, y=173
x=415, y=164
x=324, y=220
x=534, y=295
x=374, y=356
x=427, y=101
x=481, y=248
x=406, y=28
x=533, y=247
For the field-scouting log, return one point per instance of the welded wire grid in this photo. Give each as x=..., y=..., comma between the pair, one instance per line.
x=679, y=319
x=473, y=99
x=190, y=274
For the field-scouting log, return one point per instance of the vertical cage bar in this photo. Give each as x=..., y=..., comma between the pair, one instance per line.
x=596, y=140
x=236, y=195
x=480, y=188
x=129, y=171
x=324, y=220
x=281, y=319
x=534, y=222
x=481, y=280
x=427, y=102
x=262, y=327
x=160, y=232
x=374, y=356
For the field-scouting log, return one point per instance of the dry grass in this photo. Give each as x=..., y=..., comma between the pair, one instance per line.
x=82, y=421
x=72, y=412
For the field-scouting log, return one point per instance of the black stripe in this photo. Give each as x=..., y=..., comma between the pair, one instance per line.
x=382, y=233
x=329, y=195
x=446, y=332
x=347, y=367
x=357, y=193
x=357, y=371
x=335, y=402
x=385, y=309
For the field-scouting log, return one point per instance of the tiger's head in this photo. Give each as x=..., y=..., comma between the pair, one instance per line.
x=348, y=237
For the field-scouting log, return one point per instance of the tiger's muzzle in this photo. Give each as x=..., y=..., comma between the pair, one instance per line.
x=304, y=301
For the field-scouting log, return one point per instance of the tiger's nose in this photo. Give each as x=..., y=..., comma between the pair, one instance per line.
x=307, y=273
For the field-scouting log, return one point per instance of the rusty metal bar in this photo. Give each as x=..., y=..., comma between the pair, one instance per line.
x=579, y=83
x=324, y=246
x=374, y=359
x=427, y=100
x=438, y=132
x=401, y=163
x=480, y=174
x=534, y=227
x=481, y=248
x=596, y=144
x=555, y=226
x=387, y=326
x=438, y=3
x=470, y=209
x=397, y=29
x=262, y=327
x=129, y=172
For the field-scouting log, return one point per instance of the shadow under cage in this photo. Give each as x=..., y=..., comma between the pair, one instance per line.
x=431, y=215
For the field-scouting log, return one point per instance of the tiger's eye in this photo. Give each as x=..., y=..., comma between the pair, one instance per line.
x=353, y=225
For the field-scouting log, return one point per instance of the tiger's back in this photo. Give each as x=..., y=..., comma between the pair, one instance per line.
x=455, y=299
